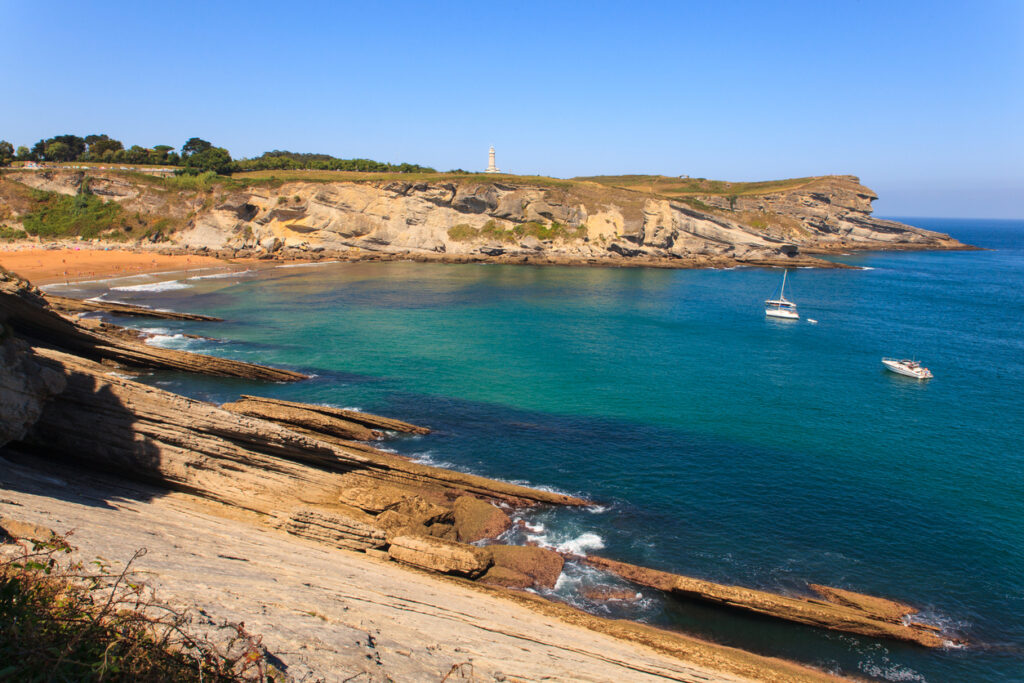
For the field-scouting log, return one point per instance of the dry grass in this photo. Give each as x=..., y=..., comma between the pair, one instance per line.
x=671, y=187
x=62, y=621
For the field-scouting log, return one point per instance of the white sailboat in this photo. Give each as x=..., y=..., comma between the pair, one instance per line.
x=781, y=307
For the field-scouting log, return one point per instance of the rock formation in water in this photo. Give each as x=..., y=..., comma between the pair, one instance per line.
x=509, y=220
x=835, y=609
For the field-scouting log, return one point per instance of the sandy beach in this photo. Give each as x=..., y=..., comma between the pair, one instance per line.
x=43, y=265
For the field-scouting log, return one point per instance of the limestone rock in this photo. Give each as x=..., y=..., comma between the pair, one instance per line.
x=63, y=303
x=25, y=310
x=507, y=578
x=439, y=555
x=339, y=528
x=311, y=420
x=608, y=593
x=17, y=529
x=25, y=386
x=540, y=566
x=365, y=419
x=421, y=511
x=477, y=519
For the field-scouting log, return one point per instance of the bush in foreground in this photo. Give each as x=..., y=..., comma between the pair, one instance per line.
x=60, y=621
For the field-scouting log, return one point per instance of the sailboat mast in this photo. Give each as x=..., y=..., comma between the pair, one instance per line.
x=782, y=294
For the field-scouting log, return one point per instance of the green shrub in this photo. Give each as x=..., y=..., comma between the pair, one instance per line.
x=463, y=232
x=84, y=215
x=11, y=233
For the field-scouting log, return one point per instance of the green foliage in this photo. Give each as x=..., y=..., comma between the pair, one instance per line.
x=463, y=233
x=62, y=622
x=84, y=215
x=6, y=152
x=215, y=159
x=194, y=146
x=11, y=233
x=555, y=231
x=201, y=181
x=284, y=160
x=492, y=231
x=697, y=204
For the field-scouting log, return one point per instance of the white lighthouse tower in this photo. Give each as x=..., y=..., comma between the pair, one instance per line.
x=491, y=168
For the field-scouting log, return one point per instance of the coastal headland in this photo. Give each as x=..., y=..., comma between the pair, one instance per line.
x=360, y=545
x=617, y=221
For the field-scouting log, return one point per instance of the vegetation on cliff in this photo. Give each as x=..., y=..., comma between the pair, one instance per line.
x=83, y=215
x=491, y=230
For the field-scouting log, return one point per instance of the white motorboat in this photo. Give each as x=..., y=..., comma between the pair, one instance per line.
x=910, y=368
x=781, y=307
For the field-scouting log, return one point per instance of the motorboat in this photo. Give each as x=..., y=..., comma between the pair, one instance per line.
x=781, y=307
x=910, y=368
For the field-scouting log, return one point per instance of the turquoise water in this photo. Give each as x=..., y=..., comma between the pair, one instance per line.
x=714, y=442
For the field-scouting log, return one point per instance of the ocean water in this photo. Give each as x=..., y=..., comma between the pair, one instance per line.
x=713, y=442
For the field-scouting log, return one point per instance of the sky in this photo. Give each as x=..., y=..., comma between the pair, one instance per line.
x=923, y=100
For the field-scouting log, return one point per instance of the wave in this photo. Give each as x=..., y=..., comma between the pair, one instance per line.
x=217, y=276
x=307, y=265
x=165, y=286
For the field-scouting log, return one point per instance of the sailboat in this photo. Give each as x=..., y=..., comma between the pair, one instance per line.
x=781, y=307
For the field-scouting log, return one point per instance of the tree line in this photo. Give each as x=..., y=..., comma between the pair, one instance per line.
x=196, y=156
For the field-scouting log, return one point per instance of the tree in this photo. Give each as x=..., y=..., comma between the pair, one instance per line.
x=195, y=146
x=216, y=159
x=24, y=153
x=137, y=155
x=57, y=151
x=76, y=146
x=99, y=144
x=6, y=152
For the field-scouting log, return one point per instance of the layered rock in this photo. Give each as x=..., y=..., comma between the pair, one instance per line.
x=520, y=221
x=312, y=415
x=27, y=312
x=70, y=305
x=440, y=555
x=839, y=610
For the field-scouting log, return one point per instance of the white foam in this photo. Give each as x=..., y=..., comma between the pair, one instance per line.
x=216, y=276
x=580, y=544
x=537, y=528
x=307, y=265
x=596, y=509
x=164, y=286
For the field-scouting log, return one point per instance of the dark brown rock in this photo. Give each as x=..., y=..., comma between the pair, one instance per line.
x=477, y=519
x=540, y=565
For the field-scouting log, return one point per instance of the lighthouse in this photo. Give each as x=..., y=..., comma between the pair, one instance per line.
x=491, y=168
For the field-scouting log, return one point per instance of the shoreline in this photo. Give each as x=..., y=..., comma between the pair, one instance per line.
x=66, y=263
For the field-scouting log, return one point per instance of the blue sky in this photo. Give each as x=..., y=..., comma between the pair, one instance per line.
x=923, y=100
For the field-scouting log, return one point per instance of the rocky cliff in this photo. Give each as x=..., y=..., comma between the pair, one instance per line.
x=458, y=218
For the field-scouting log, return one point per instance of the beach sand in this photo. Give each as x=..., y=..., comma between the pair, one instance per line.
x=67, y=264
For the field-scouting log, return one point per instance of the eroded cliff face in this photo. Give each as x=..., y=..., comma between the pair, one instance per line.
x=570, y=221
x=829, y=214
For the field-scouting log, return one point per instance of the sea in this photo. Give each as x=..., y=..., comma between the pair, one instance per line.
x=712, y=441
